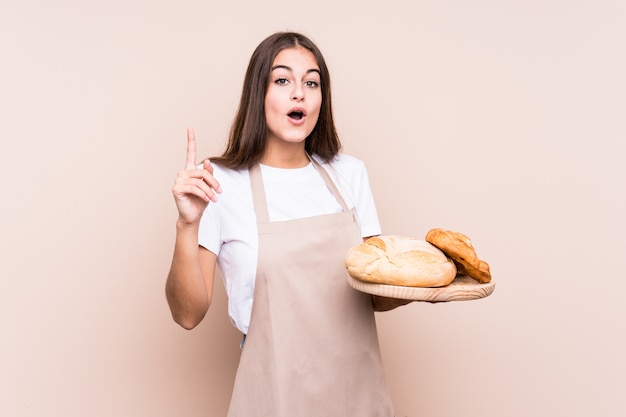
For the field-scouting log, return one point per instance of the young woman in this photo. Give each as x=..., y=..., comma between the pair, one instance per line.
x=277, y=213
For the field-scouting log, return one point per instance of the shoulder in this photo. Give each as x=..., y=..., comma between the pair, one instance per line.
x=344, y=159
x=350, y=175
x=218, y=168
x=230, y=176
x=223, y=220
x=235, y=185
x=345, y=165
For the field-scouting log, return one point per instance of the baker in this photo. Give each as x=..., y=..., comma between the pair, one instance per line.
x=277, y=212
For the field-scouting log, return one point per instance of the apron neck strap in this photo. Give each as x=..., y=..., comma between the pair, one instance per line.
x=258, y=194
x=258, y=191
x=330, y=184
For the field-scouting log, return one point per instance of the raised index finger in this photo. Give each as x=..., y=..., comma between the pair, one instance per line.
x=191, y=149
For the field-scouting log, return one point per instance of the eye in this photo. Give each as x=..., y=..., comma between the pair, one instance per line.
x=312, y=84
x=281, y=81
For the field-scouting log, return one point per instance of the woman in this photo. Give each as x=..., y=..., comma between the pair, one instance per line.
x=289, y=208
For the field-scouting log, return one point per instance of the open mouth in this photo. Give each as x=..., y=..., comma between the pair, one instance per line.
x=296, y=114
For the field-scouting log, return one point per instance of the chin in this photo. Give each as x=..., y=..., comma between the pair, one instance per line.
x=294, y=139
x=298, y=136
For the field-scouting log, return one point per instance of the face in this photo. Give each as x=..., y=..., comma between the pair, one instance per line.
x=293, y=98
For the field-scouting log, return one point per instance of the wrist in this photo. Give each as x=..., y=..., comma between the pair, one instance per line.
x=184, y=226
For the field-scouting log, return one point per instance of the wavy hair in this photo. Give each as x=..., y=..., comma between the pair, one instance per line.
x=248, y=133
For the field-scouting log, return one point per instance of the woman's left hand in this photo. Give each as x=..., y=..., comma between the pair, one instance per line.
x=387, y=303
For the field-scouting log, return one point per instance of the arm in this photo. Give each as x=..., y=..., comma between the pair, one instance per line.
x=386, y=303
x=189, y=285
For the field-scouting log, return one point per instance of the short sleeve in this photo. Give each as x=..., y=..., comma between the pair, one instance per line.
x=365, y=205
x=209, y=233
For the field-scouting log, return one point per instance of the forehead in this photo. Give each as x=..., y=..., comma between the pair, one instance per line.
x=296, y=58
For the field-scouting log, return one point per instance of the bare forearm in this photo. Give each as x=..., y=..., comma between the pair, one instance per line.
x=186, y=288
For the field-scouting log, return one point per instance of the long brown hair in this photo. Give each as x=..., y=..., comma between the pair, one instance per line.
x=248, y=132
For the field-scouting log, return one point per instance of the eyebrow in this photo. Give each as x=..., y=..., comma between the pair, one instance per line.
x=290, y=69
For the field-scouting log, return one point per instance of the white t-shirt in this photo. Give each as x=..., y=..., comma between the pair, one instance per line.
x=228, y=228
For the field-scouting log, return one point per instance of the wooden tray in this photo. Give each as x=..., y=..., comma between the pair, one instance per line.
x=461, y=289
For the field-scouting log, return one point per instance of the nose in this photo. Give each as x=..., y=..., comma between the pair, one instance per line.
x=298, y=93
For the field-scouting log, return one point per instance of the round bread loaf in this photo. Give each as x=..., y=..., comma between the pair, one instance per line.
x=396, y=260
x=459, y=247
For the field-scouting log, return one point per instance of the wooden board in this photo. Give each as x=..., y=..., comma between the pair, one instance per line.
x=461, y=289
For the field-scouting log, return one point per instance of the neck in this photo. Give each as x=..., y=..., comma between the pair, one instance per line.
x=286, y=156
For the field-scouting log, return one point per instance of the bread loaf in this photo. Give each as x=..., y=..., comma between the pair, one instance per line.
x=460, y=249
x=396, y=260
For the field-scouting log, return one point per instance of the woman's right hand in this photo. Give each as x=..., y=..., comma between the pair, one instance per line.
x=194, y=187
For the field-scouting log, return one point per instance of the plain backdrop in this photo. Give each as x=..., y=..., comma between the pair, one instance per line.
x=503, y=120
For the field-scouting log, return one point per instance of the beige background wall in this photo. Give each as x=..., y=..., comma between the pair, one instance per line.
x=500, y=119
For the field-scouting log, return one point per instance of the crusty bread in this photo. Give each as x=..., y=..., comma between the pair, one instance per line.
x=396, y=260
x=459, y=248
x=481, y=272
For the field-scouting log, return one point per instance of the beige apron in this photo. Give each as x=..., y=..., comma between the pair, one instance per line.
x=312, y=347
